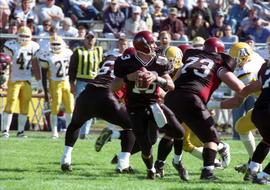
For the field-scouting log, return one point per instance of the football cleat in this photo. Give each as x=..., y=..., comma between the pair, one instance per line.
x=218, y=165
x=21, y=134
x=128, y=170
x=242, y=168
x=5, y=134
x=114, y=160
x=225, y=155
x=103, y=138
x=55, y=136
x=151, y=174
x=66, y=167
x=250, y=175
x=261, y=181
x=182, y=172
x=207, y=174
x=159, y=165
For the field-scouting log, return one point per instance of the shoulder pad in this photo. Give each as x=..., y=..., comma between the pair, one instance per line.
x=161, y=60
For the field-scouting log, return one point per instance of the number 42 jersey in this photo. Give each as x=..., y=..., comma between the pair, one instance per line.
x=57, y=64
x=21, y=59
x=200, y=72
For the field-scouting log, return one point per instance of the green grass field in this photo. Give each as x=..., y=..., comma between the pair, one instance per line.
x=33, y=163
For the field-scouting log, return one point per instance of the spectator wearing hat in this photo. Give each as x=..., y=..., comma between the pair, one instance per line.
x=134, y=24
x=50, y=11
x=201, y=9
x=114, y=21
x=236, y=14
x=158, y=15
x=146, y=16
x=84, y=64
x=228, y=38
x=217, y=29
x=174, y=26
x=197, y=28
x=197, y=42
x=25, y=13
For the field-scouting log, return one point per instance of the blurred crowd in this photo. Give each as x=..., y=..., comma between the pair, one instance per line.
x=229, y=20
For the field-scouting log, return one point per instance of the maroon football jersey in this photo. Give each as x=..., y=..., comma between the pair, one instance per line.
x=199, y=75
x=264, y=77
x=136, y=96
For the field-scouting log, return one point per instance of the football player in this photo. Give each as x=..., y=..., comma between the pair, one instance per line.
x=248, y=65
x=54, y=65
x=22, y=52
x=143, y=74
x=200, y=76
x=97, y=100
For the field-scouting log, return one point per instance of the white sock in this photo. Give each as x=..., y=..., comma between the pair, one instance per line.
x=123, y=160
x=209, y=167
x=263, y=175
x=197, y=152
x=249, y=143
x=21, y=122
x=66, y=158
x=54, y=123
x=177, y=158
x=254, y=166
x=153, y=169
x=68, y=118
x=7, y=118
x=68, y=150
x=220, y=146
x=115, y=134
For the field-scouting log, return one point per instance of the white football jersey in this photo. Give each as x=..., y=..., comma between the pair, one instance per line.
x=21, y=59
x=57, y=64
x=249, y=71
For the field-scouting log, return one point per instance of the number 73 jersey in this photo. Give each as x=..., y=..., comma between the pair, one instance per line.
x=57, y=64
x=21, y=59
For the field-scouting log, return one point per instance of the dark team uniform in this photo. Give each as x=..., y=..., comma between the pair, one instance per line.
x=139, y=100
x=261, y=112
x=97, y=100
x=193, y=89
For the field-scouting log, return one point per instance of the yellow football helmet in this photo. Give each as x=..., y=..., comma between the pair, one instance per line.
x=242, y=52
x=174, y=55
x=56, y=44
x=24, y=35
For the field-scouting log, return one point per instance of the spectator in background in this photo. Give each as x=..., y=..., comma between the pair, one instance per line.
x=165, y=39
x=4, y=14
x=25, y=12
x=43, y=31
x=50, y=11
x=67, y=29
x=146, y=16
x=182, y=12
x=122, y=45
x=236, y=14
x=82, y=29
x=170, y=3
x=228, y=37
x=134, y=24
x=197, y=42
x=258, y=31
x=174, y=26
x=123, y=5
x=83, y=10
x=114, y=21
x=158, y=16
x=201, y=9
x=217, y=29
x=197, y=28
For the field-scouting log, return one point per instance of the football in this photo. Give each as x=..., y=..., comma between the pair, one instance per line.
x=142, y=81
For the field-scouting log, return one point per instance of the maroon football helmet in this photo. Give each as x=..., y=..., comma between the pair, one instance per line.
x=184, y=47
x=129, y=51
x=142, y=42
x=213, y=44
x=4, y=61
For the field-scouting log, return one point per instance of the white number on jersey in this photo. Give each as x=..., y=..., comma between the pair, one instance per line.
x=266, y=82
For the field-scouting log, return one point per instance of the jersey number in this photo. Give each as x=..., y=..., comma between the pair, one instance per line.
x=106, y=69
x=150, y=90
x=62, y=68
x=22, y=60
x=266, y=82
x=205, y=66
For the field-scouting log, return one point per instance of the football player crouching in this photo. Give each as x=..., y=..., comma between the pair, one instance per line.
x=54, y=66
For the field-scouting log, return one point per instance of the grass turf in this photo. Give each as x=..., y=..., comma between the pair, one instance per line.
x=33, y=163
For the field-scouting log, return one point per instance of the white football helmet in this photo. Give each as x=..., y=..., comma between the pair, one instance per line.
x=56, y=44
x=24, y=35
